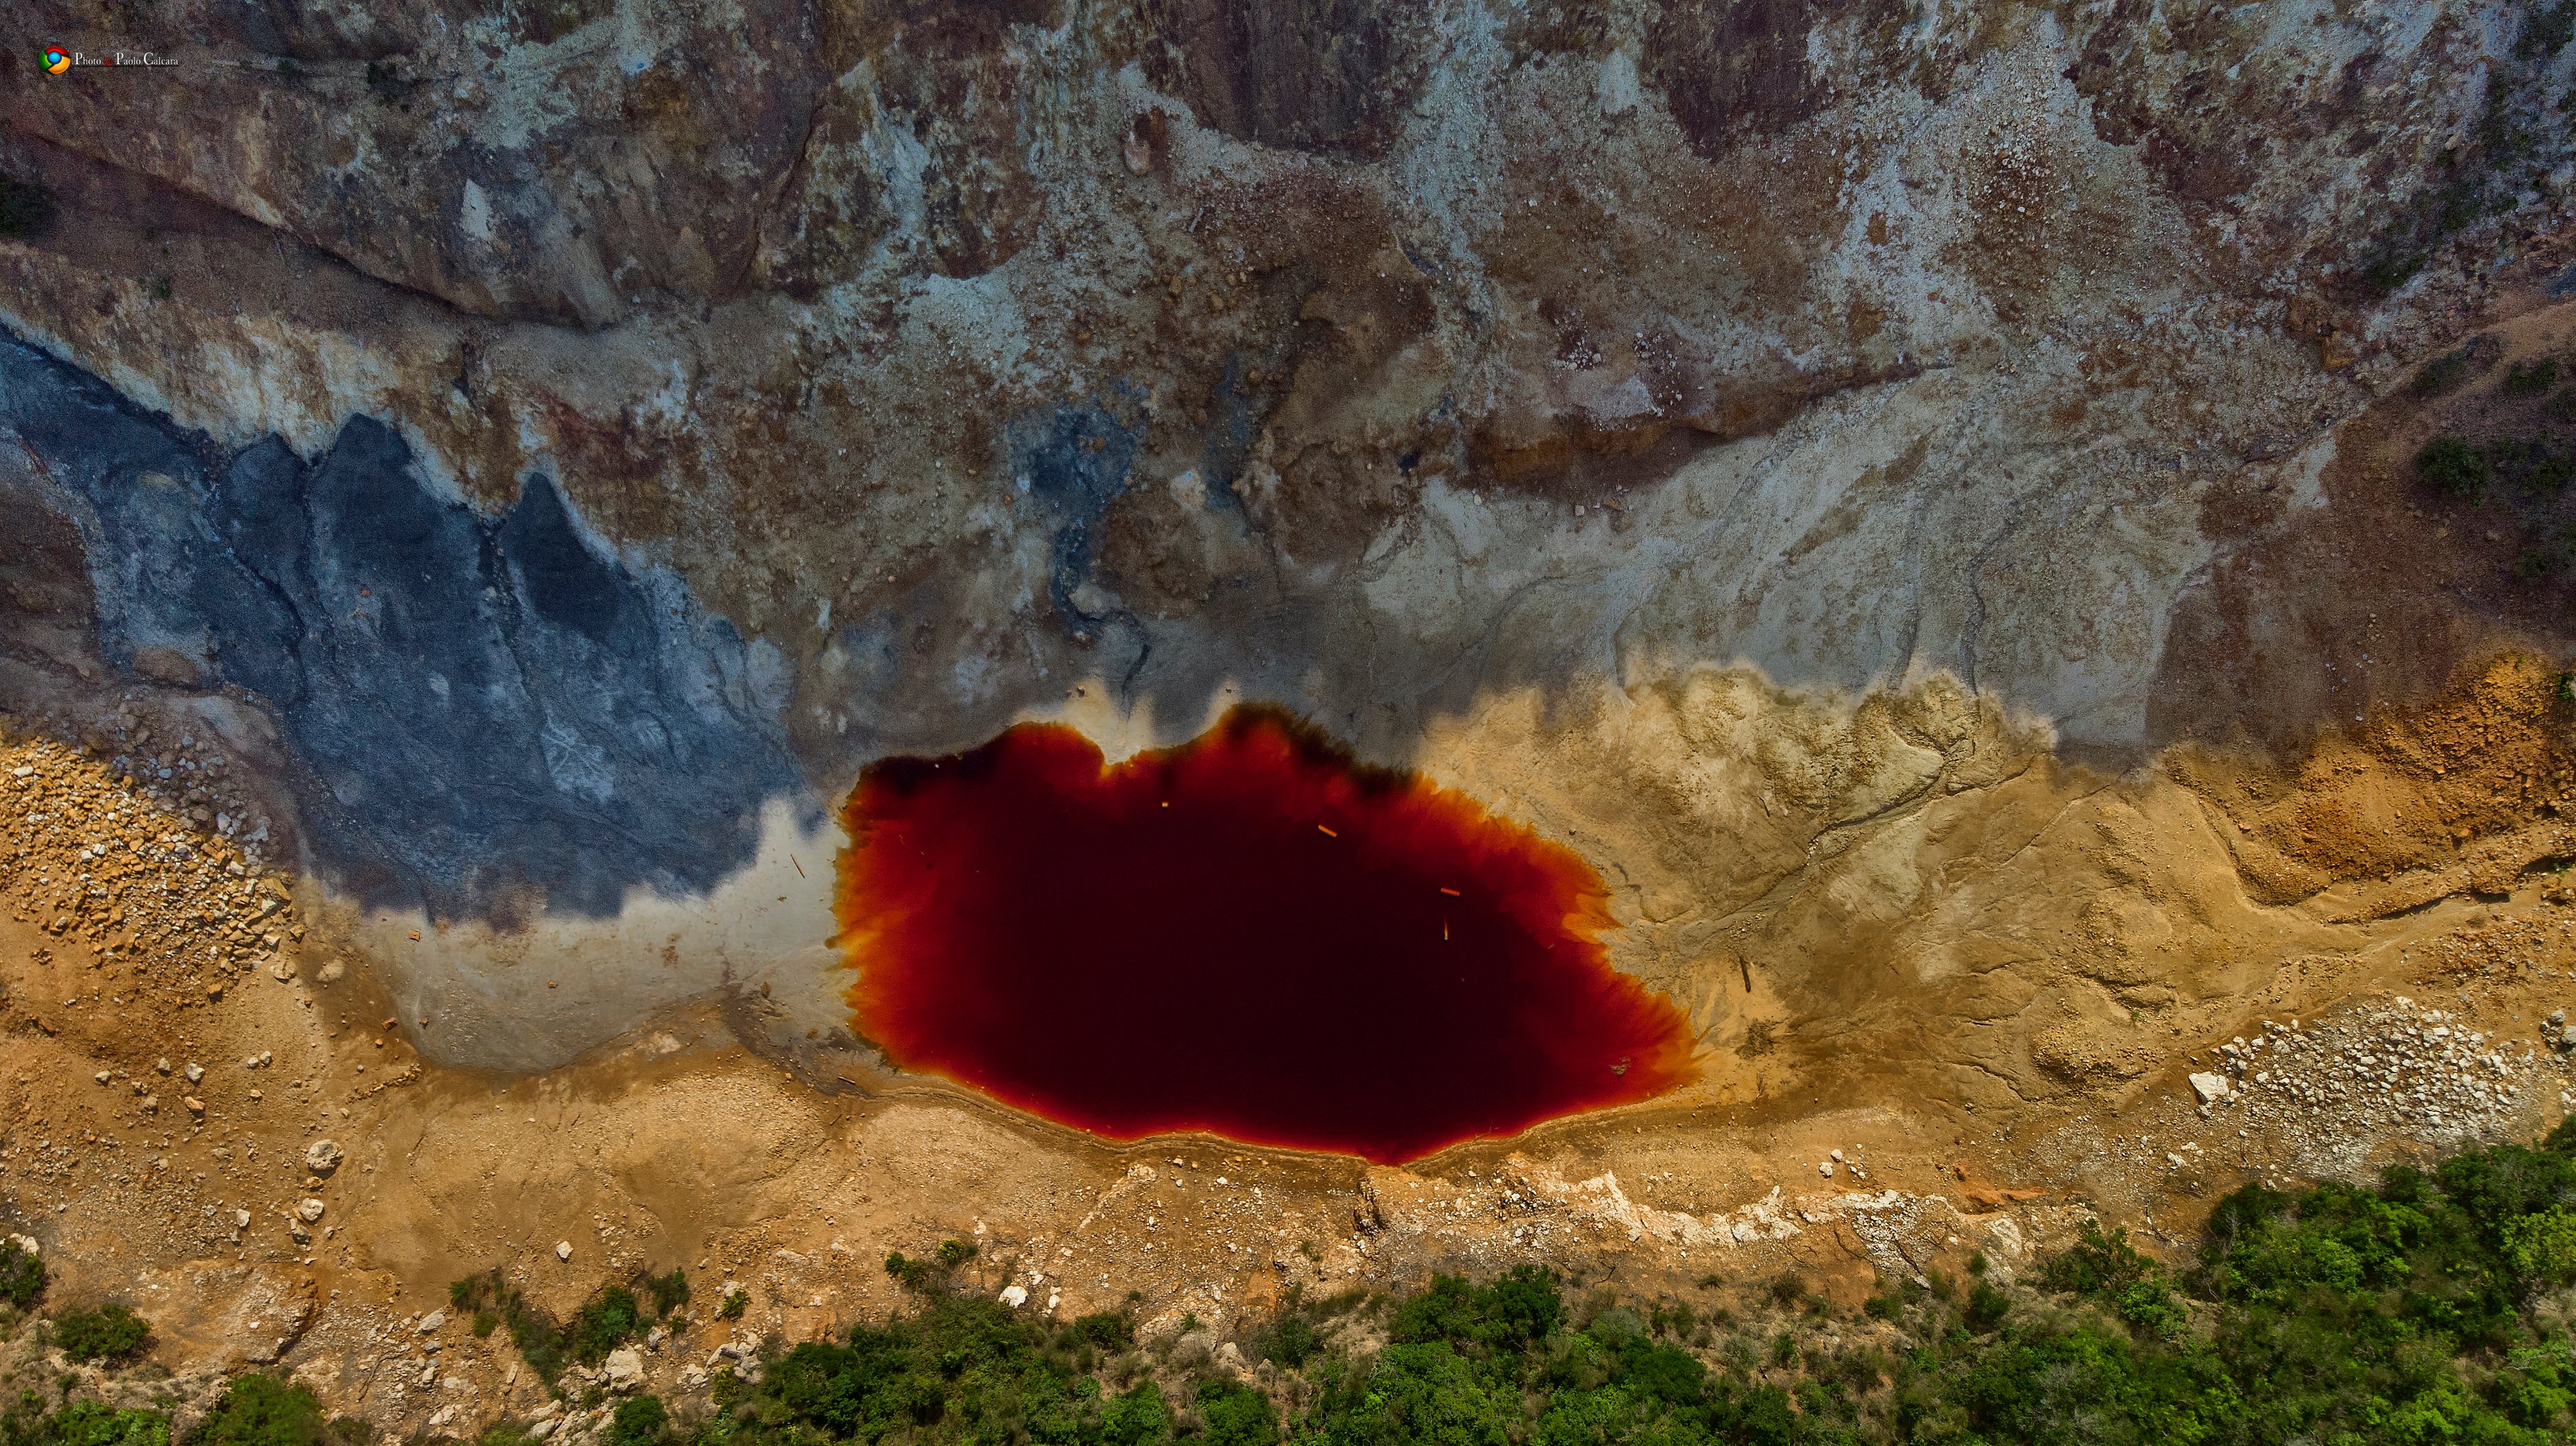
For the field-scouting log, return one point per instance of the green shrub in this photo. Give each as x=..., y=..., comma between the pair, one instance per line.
x=607, y=1320
x=95, y=1423
x=1235, y=1415
x=1522, y=1307
x=2403, y=1312
x=1136, y=1417
x=604, y=1322
x=107, y=1333
x=2106, y=1267
x=1108, y=1330
x=669, y=1292
x=2443, y=374
x=2532, y=380
x=1291, y=1342
x=640, y=1421
x=261, y=1410
x=22, y=1275
x=1987, y=1307
x=2097, y=1263
x=923, y=1277
x=2449, y=465
x=2542, y=1246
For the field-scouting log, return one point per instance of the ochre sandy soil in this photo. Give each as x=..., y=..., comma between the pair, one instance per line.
x=1989, y=1107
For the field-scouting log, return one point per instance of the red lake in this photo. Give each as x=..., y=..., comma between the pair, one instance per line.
x=1249, y=934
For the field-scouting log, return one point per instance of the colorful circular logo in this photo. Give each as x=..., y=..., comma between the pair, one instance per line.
x=56, y=62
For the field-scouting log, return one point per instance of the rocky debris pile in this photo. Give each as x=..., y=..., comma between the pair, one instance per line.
x=2557, y=1035
x=2391, y=1068
x=186, y=777
x=97, y=860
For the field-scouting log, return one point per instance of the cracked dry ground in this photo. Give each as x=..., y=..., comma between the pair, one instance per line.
x=181, y=1036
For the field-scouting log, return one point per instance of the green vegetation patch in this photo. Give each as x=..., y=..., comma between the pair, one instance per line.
x=639, y=1421
x=2530, y=379
x=22, y=1275
x=2432, y=1307
x=262, y=1410
x=960, y=1368
x=2453, y=467
x=110, y=1332
x=2444, y=374
x=80, y=1423
x=607, y=1320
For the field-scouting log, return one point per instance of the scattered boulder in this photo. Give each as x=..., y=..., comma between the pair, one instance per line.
x=563, y=1250
x=624, y=1368
x=2209, y=1088
x=310, y=1209
x=1015, y=1296
x=322, y=1157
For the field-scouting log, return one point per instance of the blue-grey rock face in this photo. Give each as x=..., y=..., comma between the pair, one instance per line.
x=1075, y=459
x=477, y=705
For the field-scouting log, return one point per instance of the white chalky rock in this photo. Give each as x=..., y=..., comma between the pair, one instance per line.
x=625, y=1368
x=321, y=1157
x=563, y=1250
x=310, y=1209
x=2211, y=1088
x=1015, y=1296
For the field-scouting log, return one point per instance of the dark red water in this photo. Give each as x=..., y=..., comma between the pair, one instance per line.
x=1247, y=934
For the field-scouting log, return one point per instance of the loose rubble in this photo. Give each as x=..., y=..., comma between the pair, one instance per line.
x=125, y=873
x=2381, y=1068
